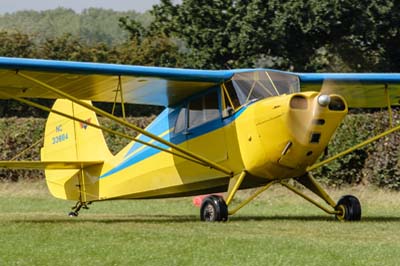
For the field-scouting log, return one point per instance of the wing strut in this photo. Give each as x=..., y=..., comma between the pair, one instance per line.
x=387, y=95
x=98, y=111
x=366, y=142
x=119, y=90
x=362, y=144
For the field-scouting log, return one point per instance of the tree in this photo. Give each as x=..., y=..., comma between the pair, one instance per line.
x=147, y=46
x=92, y=25
x=313, y=35
x=204, y=27
x=15, y=44
x=65, y=47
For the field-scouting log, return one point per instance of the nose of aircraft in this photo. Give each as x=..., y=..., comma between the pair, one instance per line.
x=293, y=131
x=312, y=120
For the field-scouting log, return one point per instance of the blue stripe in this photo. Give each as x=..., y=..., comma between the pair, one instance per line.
x=368, y=78
x=157, y=127
x=140, y=156
x=215, y=76
x=160, y=125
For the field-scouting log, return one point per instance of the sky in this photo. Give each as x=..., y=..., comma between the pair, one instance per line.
x=77, y=5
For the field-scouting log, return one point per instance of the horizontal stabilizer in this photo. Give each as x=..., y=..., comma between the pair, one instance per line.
x=48, y=164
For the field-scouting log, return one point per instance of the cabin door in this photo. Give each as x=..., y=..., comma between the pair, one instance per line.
x=205, y=134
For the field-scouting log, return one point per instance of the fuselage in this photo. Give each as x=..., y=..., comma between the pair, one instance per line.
x=274, y=137
x=256, y=122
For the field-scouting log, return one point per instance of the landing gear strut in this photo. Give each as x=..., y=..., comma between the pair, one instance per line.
x=348, y=208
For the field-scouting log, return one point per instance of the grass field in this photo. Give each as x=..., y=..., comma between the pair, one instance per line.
x=279, y=228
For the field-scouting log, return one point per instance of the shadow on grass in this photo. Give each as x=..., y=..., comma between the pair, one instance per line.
x=109, y=219
x=166, y=219
x=319, y=218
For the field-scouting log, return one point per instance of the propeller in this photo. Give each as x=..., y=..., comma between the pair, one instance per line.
x=318, y=122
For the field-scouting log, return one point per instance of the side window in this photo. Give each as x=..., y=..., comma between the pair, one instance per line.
x=180, y=121
x=196, y=112
x=203, y=109
x=211, y=109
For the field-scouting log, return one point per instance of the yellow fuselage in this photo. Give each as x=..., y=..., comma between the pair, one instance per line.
x=274, y=138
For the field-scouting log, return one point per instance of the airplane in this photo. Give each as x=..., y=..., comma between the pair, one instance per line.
x=221, y=130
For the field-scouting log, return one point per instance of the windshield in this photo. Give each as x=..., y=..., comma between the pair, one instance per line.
x=251, y=86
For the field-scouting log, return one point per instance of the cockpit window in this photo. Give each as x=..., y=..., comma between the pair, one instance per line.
x=246, y=87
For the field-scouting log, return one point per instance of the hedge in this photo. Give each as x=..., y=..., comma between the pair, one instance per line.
x=377, y=163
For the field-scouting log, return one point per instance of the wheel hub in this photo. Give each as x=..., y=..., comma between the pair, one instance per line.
x=209, y=212
x=342, y=212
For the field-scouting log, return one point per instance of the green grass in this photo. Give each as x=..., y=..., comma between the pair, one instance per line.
x=279, y=228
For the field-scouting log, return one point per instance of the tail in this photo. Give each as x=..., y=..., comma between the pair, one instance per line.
x=69, y=140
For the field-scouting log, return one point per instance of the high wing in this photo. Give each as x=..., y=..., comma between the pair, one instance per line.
x=367, y=90
x=168, y=86
x=99, y=82
x=48, y=164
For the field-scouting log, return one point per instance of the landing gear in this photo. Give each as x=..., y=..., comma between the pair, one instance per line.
x=77, y=208
x=349, y=208
x=214, y=209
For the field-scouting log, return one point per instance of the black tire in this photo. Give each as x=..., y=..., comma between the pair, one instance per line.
x=350, y=207
x=213, y=209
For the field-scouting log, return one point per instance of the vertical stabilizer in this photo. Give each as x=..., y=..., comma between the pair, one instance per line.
x=68, y=140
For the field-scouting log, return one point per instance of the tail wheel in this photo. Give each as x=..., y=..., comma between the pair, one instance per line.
x=349, y=207
x=213, y=209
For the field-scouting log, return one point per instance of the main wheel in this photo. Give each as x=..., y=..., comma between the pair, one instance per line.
x=213, y=209
x=350, y=208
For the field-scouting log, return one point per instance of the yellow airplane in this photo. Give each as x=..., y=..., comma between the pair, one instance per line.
x=220, y=131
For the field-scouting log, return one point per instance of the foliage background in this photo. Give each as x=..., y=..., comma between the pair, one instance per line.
x=310, y=36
